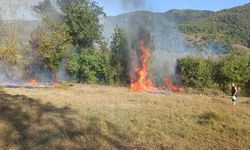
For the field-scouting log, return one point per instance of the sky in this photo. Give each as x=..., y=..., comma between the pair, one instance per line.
x=116, y=7
x=22, y=9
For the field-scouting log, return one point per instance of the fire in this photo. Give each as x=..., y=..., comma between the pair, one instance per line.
x=143, y=83
x=33, y=82
x=171, y=87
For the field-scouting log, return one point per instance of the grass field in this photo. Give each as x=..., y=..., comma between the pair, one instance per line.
x=102, y=117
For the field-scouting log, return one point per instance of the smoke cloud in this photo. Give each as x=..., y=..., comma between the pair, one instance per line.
x=20, y=9
x=132, y=4
x=167, y=42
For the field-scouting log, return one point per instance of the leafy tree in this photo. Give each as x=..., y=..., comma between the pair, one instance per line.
x=91, y=66
x=10, y=54
x=234, y=67
x=95, y=66
x=82, y=19
x=51, y=44
x=72, y=65
x=120, y=57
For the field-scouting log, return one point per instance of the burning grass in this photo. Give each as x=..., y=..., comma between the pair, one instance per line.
x=101, y=117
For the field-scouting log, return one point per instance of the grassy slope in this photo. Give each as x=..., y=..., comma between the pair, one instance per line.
x=100, y=117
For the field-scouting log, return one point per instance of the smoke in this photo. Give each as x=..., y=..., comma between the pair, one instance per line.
x=167, y=42
x=21, y=9
x=17, y=9
x=134, y=4
x=14, y=15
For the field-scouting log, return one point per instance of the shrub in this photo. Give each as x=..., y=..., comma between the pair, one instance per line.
x=200, y=72
x=93, y=66
x=197, y=71
x=234, y=67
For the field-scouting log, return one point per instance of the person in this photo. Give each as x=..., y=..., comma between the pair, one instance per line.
x=234, y=93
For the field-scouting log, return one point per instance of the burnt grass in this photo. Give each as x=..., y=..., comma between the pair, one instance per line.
x=96, y=117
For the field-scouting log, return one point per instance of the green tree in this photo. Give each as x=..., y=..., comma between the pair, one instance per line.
x=95, y=66
x=82, y=19
x=120, y=57
x=10, y=54
x=51, y=44
x=234, y=67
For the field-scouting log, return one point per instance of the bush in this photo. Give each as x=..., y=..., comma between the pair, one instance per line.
x=200, y=72
x=94, y=66
x=197, y=71
x=234, y=67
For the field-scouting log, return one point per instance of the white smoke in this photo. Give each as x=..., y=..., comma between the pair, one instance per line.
x=20, y=9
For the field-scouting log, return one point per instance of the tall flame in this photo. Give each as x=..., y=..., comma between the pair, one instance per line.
x=143, y=83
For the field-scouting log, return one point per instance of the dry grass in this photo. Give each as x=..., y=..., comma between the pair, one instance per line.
x=101, y=117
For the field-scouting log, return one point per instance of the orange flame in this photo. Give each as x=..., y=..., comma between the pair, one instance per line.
x=171, y=87
x=33, y=82
x=143, y=83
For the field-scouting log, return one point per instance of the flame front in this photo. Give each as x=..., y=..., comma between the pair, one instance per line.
x=142, y=83
x=33, y=82
x=171, y=87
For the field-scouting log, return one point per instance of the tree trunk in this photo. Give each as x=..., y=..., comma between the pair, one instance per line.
x=54, y=77
x=8, y=70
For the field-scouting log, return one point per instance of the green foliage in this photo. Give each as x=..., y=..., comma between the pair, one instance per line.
x=94, y=66
x=197, y=71
x=51, y=44
x=85, y=62
x=72, y=65
x=119, y=57
x=235, y=67
x=81, y=17
x=230, y=26
x=10, y=54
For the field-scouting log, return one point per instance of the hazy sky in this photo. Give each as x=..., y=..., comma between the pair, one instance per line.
x=115, y=7
x=12, y=9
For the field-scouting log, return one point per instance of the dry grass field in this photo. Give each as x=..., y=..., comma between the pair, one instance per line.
x=102, y=117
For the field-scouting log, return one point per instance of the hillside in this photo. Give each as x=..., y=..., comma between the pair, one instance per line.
x=174, y=30
x=162, y=26
x=231, y=26
x=226, y=28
